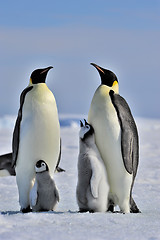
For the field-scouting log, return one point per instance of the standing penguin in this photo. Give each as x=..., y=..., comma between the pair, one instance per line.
x=92, y=188
x=36, y=134
x=44, y=194
x=117, y=140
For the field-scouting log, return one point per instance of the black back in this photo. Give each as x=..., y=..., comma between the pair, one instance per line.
x=16, y=132
x=129, y=133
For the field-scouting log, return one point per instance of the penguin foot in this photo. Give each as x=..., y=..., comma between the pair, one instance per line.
x=119, y=212
x=82, y=210
x=91, y=211
x=110, y=208
x=26, y=210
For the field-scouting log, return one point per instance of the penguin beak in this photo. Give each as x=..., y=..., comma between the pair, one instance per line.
x=85, y=122
x=45, y=70
x=100, y=70
x=81, y=123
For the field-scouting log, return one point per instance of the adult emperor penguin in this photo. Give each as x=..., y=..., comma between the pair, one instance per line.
x=36, y=134
x=92, y=187
x=44, y=194
x=117, y=140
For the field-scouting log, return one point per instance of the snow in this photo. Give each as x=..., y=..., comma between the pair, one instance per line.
x=65, y=222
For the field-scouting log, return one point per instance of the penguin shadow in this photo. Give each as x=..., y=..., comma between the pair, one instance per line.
x=59, y=212
x=54, y=212
x=50, y=212
x=10, y=212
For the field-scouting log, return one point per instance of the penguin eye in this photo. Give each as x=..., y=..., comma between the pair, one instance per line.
x=43, y=164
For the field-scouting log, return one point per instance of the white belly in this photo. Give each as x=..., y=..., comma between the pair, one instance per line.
x=103, y=117
x=39, y=130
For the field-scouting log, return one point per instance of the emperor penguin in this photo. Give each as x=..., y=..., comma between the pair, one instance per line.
x=44, y=194
x=116, y=137
x=92, y=187
x=6, y=168
x=36, y=134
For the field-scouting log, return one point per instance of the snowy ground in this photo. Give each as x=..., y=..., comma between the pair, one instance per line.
x=65, y=222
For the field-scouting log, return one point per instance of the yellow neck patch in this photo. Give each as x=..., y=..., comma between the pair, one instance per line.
x=30, y=81
x=114, y=83
x=115, y=87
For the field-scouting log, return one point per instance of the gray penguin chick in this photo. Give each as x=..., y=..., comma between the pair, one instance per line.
x=92, y=187
x=44, y=194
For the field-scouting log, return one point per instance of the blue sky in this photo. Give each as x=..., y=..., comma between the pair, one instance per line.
x=118, y=14
x=122, y=36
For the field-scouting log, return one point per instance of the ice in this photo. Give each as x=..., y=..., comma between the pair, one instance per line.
x=66, y=222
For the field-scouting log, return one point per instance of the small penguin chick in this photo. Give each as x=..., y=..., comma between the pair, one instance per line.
x=92, y=187
x=44, y=194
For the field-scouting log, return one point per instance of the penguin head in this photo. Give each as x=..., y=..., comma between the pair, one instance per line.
x=108, y=78
x=41, y=166
x=39, y=75
x=86, y=130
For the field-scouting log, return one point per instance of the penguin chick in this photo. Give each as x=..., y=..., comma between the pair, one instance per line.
x=92, y=187
x=44, y=194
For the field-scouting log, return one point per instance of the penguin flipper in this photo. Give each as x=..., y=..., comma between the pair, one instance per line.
x=16, y=132
x=56, y=194
x=129, y=134
x=95, y=178
x=58, y=169
x=6, y=163
x=15, y=141
x=34, y=195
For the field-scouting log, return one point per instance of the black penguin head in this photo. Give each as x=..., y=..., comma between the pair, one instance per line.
x=39, y=75
x=86, y=130
x=107, y=77
x=41, y=166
